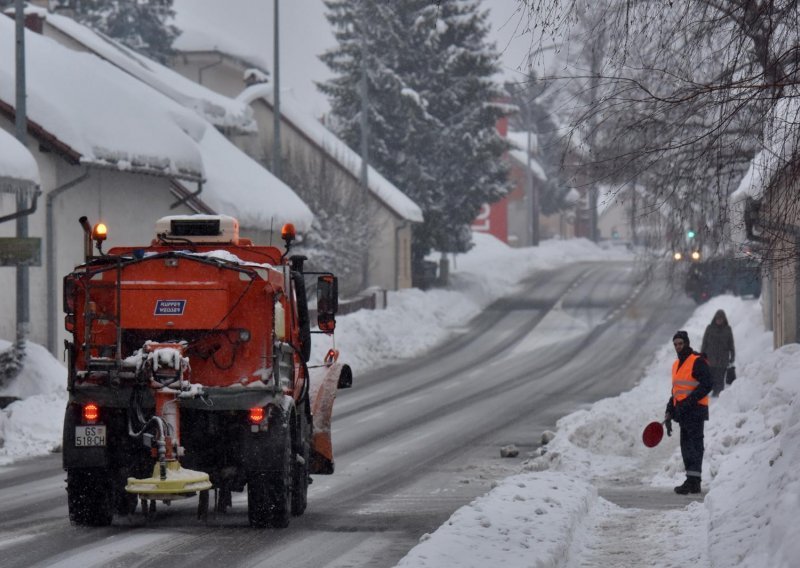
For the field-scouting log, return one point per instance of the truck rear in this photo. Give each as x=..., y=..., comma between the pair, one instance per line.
x=188, y=375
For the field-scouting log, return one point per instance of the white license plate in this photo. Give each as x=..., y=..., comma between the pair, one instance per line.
x=90, y=436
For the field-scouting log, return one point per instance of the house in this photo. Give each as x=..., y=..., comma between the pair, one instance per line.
x=765, y=221
x=307, y=144
x=224, y=65
x=109, y=146
x=510, y=218
x=628, y=213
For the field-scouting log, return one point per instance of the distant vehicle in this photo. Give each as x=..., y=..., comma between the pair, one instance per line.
x=686, y=256
x=740, y=276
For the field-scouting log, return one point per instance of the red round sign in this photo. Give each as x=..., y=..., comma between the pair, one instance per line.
x=652, y=434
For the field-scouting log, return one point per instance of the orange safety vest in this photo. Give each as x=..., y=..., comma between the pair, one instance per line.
x=683, y=383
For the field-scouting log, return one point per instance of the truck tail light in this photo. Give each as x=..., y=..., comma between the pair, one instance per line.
x=91, y=412
x=256, y=415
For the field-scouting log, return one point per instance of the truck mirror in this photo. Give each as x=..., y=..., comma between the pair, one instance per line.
x=326, y=322
x=327, y=295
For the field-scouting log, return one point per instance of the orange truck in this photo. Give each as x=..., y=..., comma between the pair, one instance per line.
x=189, y=374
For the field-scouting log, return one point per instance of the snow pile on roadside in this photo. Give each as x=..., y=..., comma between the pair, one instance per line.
x=750, y=473
x=415, y=320
x=32, y=426
x=510, y=525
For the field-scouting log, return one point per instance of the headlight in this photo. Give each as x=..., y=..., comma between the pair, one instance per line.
x=677, y=256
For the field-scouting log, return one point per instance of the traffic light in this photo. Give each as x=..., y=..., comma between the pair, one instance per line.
x=690, y=234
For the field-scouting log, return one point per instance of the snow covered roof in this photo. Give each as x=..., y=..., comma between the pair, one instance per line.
x=520, y=154
x=17, y=166
x=197, y=35
x=105, y=117
x=99, y=114
x=239, y=186
x=382, y=188
x=754, y=180
x=218, y=109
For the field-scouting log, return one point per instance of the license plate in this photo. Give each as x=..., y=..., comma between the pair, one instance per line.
x=90, y=436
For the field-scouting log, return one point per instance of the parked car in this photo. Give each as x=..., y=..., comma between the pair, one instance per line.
x=740, y=276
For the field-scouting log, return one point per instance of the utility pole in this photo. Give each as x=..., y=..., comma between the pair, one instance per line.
x=594, y=82
x=364, y=136
x=276, y=100
x=533, y=190
x=21, y=124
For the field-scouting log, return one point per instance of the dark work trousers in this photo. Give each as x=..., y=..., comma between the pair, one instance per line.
x=692, y=446
x=718, y=378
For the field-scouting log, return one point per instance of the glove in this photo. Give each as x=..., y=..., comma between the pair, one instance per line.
x=668, y=426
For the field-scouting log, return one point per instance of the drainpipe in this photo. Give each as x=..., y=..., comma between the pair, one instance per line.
x=50, y=247
x=397, y=230
x=24, y=212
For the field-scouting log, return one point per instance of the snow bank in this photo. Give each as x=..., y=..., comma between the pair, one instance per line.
x=32, y=426
x=750, y=471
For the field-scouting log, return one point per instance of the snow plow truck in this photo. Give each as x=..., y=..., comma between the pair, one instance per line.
x=188, y=374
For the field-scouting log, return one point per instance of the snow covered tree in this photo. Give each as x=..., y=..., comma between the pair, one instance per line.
x=142, y=25
x=343, y=226
x=432, y=109
x=687, y=93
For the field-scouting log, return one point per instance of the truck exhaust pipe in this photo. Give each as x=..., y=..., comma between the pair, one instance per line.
x=87, y=238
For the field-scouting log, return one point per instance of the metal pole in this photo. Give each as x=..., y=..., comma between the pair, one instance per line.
x=364, y=115
x=50, y=253
x=364, y=140
x=529, y=183
x=21, y=123
x=276, y=96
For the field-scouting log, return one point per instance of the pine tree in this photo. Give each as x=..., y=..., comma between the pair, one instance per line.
x=431, y=115
x=142, y=25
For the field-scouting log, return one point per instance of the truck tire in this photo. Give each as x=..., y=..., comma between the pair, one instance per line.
x=90, y=496
x=301, y=457
x=269, y=493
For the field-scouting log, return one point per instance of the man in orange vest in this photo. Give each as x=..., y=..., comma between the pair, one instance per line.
x=688, y=406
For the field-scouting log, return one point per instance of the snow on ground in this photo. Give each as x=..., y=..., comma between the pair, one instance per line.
x=551, y=514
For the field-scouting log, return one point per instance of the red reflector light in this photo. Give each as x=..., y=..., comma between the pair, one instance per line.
x=256, y=415
x=91, y=412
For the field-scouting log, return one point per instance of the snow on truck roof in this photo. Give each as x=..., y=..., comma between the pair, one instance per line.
x=102, y=116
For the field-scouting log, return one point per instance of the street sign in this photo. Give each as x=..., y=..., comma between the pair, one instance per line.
x=18, y=251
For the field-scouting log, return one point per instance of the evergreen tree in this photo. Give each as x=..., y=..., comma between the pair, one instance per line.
x=431, y=114
x=142, y=25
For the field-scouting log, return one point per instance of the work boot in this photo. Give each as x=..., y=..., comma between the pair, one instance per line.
x=691, y=485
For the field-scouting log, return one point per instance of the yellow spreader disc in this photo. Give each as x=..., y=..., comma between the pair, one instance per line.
x=178, y=481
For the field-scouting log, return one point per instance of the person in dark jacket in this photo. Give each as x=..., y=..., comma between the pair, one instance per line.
x=688, y=406
x=718, y=349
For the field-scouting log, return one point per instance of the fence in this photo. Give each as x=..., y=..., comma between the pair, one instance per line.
x=369, y=299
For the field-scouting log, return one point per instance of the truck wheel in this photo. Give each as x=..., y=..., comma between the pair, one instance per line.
x=90, y=496
x=301, y=457
x=269, y=493
x=257, y=499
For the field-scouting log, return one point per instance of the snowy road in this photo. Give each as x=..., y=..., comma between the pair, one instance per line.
x=413, y=442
